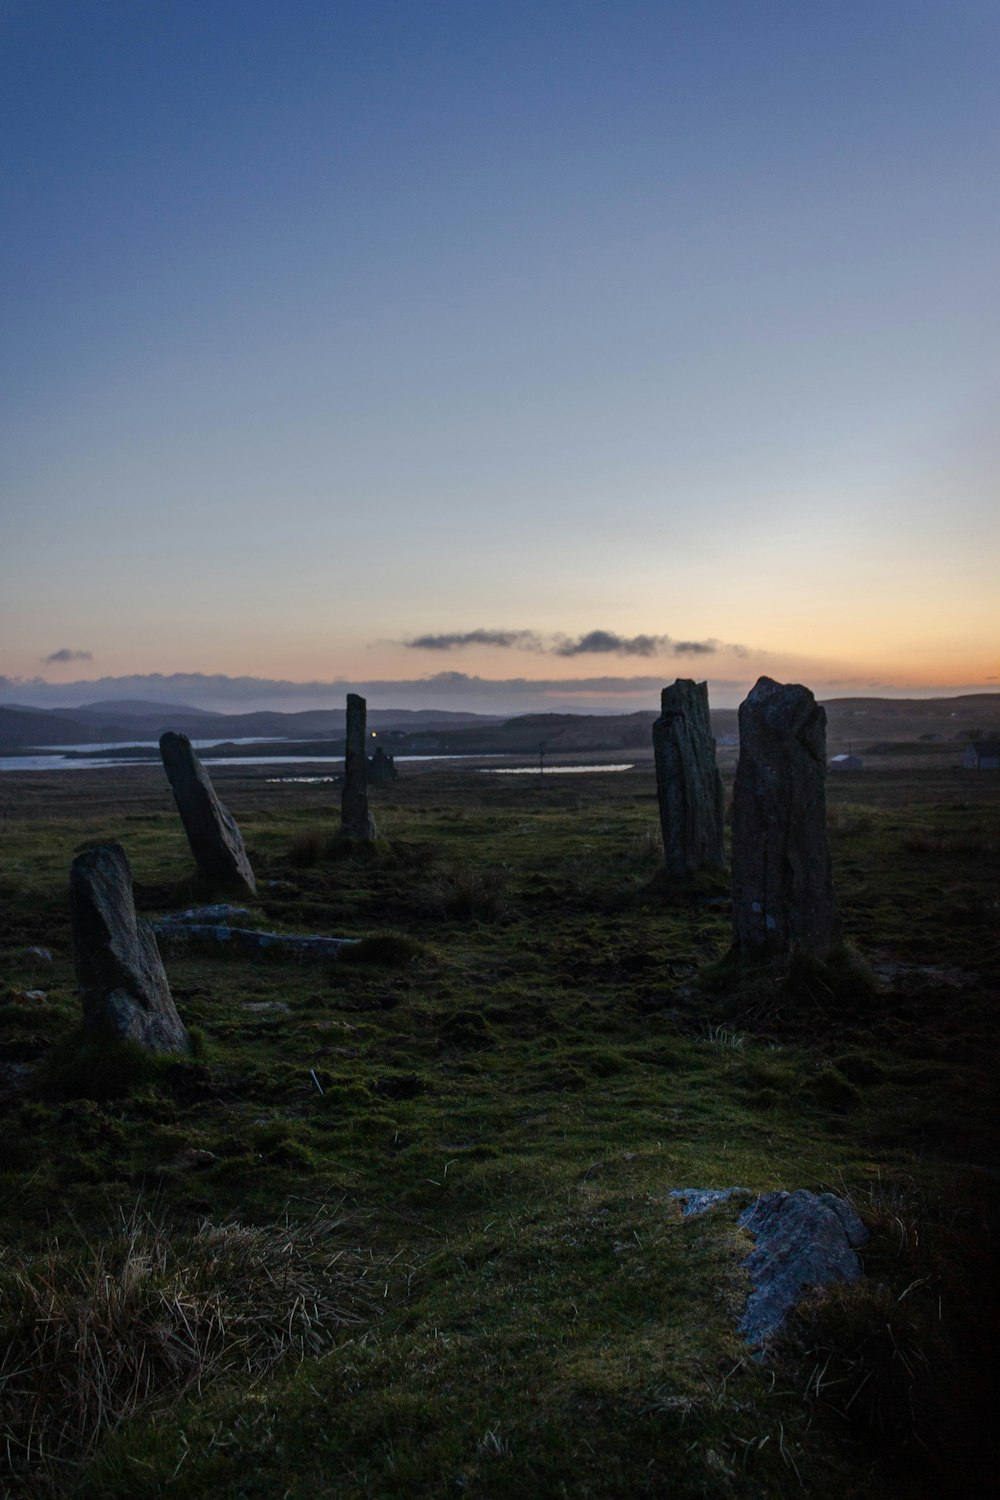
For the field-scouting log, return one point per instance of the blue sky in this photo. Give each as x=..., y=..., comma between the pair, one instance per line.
x=331, y=327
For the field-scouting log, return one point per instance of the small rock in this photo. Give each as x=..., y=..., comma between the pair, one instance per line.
x=249, y=940
x=219, y=912
x=695, y=1201
x=190, y=1159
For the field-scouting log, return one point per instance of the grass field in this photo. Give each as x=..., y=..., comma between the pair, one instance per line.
x=402, y=1225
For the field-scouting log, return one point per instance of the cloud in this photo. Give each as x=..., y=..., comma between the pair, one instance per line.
x=590, y=643
x=598, y=642
x=66, y=654
x=518, y=640
x=695, y=648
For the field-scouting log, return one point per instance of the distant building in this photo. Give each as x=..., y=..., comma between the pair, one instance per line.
x=982, y=755
x=847, y=763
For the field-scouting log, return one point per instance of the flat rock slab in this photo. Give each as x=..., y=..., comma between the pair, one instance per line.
x=803, y=1239
x=126, y=997
x=247, y=940
x=219, y=912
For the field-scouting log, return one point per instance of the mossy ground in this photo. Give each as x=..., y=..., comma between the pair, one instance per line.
x=536, y=1041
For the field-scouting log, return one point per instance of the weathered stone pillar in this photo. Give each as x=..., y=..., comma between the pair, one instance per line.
x=215, y=839
x=126, y=997
x=783, y=896
x=688, y=783
x=356, y=822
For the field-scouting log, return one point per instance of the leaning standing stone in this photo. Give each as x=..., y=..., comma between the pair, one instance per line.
x=121, y=979
x=783, y=896
x=215, y=839
x=356, y=822
x=688, y=783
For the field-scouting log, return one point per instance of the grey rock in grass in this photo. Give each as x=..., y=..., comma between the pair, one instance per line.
x=126, y=997
x=803, y=1240
x=179, y=934
x=215, y=839
x=688, y=784
x=697, y=1201
x=220, y=911
x=356, y=822
x=782, y=880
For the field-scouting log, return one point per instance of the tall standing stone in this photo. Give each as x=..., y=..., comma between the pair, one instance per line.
x=126, y=997
x=688, y=783
x=356, y=822
x=783, y=896
x=215, y=839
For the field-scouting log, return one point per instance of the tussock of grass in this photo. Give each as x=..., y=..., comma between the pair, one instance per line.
x=464, y=891
x=781, y=993
x=851, y=817
x=393, y=950
x=925, y=841
x=78, y=1069
x=878, y=1357
x=94, y=1336
x=307, y=848
x=646, y=848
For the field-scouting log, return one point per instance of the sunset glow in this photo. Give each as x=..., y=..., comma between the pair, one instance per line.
x=335, y=329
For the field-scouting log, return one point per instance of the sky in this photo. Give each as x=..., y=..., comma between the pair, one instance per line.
x=491, y=354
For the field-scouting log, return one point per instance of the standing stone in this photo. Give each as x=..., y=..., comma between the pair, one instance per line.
x=688, y=783
x=382, y=768
x=215, y=839
x=121, y=979
x=783, y=896
x=356, y=822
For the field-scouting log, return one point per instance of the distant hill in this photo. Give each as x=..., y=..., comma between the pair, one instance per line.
x=856, y=722
x=136, y=708
x=865, y=721
x=142, y=723
x=23, y=727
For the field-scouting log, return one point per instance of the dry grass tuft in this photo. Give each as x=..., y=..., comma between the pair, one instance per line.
x=646, y=848
x=307, y=848
x=93, y=1337
x=851, y=817
x=466, y=892
x=924, y=841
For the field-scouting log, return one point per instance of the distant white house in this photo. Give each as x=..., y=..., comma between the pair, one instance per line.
x=982, y=755
x=847, y=763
